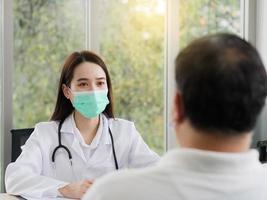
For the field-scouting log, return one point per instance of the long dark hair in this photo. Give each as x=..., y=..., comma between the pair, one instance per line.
x=63, y=106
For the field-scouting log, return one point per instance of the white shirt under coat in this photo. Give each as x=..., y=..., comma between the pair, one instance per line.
x=34, y=175
x=188, y=174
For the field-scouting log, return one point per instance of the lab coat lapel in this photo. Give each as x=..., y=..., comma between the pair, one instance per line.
x=63, y=168
x=68, y=127
x=103, y=149
x=78, y=149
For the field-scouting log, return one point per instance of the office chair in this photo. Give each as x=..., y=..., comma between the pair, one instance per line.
x=262, y=148
x=19, y=137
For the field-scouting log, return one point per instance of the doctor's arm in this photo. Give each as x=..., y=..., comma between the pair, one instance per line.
x=140, y=154
x=23, y=177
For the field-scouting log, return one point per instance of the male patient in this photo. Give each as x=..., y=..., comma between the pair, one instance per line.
x=221, y=89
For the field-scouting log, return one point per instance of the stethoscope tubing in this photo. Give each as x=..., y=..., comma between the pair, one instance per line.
x=60, y=145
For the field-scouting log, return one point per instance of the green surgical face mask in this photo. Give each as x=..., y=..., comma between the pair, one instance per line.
x=90, y=103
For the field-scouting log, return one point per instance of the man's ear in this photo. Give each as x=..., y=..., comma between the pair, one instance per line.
x=178, y=108
x=66, y=91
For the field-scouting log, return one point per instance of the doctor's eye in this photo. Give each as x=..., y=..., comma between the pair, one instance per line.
x=83, y=84
x=101, y=83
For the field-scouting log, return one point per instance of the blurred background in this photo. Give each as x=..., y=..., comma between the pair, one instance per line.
x=130, y=37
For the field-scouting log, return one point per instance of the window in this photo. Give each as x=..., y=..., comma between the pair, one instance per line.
x=1, y=93
x=131, y=39
x=130, y=35
x=189, y=19
x=45, y=33
x=197, y=18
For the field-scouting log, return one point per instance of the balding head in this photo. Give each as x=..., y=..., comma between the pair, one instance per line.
x=222, y=82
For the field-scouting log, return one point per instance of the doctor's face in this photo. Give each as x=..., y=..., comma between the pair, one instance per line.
x=87, y=76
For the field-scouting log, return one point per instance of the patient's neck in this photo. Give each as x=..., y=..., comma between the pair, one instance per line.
x=189, y=137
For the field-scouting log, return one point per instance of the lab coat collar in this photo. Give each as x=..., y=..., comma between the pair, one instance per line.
x=95, y=140
x=67, y=126
x=105, y=133
x=102, y=135
x=209, y=161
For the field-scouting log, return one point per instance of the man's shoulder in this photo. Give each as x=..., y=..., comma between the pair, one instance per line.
x=121, y=184
x=126, y=177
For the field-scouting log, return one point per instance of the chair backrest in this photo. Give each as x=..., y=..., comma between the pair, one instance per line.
x=19, y=137
x=262, y=148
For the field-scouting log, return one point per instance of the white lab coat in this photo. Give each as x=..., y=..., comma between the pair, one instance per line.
x=34, y=175
x=188, y=174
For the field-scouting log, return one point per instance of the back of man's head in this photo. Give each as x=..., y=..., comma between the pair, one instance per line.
x=223, y=84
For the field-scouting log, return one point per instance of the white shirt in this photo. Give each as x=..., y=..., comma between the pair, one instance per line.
x=33, y=175
x=188, y=174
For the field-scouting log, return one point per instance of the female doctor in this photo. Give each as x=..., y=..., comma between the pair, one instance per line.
x=82, y=141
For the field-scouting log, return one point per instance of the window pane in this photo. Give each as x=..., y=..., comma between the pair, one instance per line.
x=45, y=32
x=1, y=92
x=197, y=18
x=132, y=43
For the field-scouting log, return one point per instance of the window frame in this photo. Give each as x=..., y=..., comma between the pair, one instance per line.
x=248, y=9
x=1, y=93
x=6, y=93
x=248, y=20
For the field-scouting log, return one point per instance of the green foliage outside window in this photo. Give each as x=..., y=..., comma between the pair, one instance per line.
x=201, y=17
x=132, y=42
x=45, y=32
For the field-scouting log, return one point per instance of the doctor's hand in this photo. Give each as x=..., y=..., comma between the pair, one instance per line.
x=75, y=190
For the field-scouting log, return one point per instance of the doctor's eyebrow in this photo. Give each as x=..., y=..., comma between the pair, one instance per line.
x=82, y=79
x=101, y=78
x=86, y=79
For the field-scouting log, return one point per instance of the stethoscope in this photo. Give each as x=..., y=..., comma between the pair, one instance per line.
x=60, y=145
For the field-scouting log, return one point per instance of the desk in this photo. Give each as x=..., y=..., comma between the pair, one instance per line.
x=4, y=196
